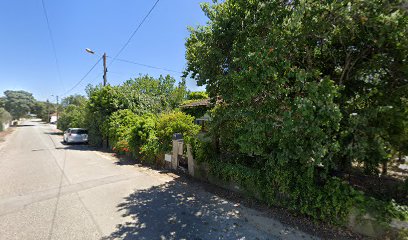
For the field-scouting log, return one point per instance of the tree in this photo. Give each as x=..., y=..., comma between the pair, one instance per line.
x=76, y=100
x=2, y=102
x=72, y=112
x=197, y=95
x=43, y=110
x=141, y=95
x=303, y=88
x=260, y=55
x=18, y=103
x=150, y=95
x=73, y=116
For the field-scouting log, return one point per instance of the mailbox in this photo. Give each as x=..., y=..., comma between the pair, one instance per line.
x=177, y=136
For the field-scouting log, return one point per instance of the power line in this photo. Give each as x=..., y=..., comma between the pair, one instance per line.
x=90, y=70
x=134, y=32
x=145, y=65
x=52, y=43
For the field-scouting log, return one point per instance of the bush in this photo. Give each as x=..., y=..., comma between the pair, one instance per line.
x=5, y=117
x=144, y=143
x=175, y=122
x=72, y=117
x=197, y=95
x=119, y=129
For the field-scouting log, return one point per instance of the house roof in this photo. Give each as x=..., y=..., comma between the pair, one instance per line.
x=197, y=103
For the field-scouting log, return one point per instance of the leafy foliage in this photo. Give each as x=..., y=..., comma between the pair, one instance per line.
x=72, y=117
x=305, y=87
x=18, y=103
x=73, y=100
x=2, y=102
x=43, y=110
x=5, y=117
x=197, y=95
x=175, y=122
x=142, y=95
x=120, y=125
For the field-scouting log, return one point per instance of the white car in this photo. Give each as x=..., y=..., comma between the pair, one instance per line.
x=76, y=135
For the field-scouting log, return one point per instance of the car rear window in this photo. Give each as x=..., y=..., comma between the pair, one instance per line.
x=79, y=131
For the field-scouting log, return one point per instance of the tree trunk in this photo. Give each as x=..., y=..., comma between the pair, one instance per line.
x=384, y=168
x=400, y=158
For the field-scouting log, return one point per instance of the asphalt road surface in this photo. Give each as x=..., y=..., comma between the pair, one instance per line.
x=49, y=190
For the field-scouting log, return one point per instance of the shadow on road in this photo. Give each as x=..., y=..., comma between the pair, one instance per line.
x=179, y=210
x=71, y=146
x=23, y=125
x=77, y=146
x=122, y=161
x=55, y=133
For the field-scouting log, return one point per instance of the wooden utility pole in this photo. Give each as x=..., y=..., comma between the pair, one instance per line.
x=48, y=111
x=105, y=70
x=57, y=107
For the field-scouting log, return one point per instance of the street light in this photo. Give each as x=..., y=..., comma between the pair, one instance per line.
x=89, y=50
x=105, y=69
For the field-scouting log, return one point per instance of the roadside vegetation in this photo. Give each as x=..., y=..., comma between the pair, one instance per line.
x=137, y=118
x=307, y=94
x=5, y=118
x=309, y=105
x=19, y=104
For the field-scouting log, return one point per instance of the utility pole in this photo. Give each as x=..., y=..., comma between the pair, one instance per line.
x=57, y=107
x=48, y=111
x=105, y=70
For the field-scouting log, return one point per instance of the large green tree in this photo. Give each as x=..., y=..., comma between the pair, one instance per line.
x=304, y=87
x=261, y=57
x=76, y=100
x=2, y=102
x=18, y=103
x=43, y=109
x=73, y=114
x=141, y=95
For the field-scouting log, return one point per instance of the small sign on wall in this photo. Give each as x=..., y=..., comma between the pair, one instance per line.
x=167, y=157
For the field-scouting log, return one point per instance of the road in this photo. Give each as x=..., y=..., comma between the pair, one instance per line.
x=49, y=190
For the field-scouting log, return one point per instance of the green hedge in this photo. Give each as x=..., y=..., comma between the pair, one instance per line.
x=331, y=200
x=5, y=117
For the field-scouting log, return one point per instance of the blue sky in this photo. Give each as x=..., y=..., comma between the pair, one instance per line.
x=27, y=61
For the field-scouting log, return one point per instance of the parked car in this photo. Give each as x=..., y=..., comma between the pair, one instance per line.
x=76, y=135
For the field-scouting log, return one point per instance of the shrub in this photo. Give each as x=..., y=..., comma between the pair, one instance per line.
x=121, y=147
x=73, y=116
x=119, y=128
x=197, y=95
x=143, y=142
x=175, y=122
x=5, y=117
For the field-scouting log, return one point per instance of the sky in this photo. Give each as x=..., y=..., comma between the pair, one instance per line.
x=27, y=59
